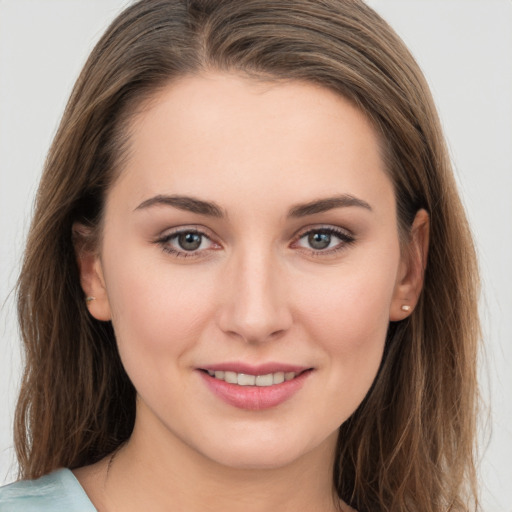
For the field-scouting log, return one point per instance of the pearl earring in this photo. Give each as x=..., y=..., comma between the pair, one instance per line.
x=405, y=307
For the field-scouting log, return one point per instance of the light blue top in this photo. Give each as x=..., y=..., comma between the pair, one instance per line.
x=57, y=492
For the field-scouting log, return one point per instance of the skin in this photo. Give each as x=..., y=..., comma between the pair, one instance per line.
x=255, y=291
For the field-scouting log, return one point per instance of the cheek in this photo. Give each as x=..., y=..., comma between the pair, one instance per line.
x=348, y=318
x=157, y=312
x=352, y=308
x=351, y=327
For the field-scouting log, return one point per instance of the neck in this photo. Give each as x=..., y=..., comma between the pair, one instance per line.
x=168, y=475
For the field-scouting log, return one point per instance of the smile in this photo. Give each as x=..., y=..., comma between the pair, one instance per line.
x=255, y=388
x=244, y=379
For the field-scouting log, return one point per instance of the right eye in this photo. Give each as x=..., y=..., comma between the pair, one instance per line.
x=186, y=243
x=189, y=241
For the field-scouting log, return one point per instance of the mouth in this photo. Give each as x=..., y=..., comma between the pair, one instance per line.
x=255, y=388
x=247, y=379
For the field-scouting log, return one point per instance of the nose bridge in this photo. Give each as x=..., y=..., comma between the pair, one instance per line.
x=256, y=307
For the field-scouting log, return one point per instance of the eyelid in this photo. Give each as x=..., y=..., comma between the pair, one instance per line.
x=167, y=235
x=346, y=238
x=322, y=227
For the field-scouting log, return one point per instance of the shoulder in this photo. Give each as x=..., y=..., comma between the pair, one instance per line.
x=57, y=492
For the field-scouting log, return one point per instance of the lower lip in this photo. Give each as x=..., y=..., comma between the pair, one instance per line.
x=255, y=398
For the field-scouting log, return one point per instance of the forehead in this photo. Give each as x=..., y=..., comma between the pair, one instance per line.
x=222, y=133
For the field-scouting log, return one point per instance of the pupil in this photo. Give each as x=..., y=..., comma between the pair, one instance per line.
x=189, y=241
x=319, y=240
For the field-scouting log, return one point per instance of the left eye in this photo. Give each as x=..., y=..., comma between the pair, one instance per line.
x=323, y=239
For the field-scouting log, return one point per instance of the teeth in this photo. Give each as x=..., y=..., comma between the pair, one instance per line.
x=265, y=380
x=279, y=377
x=231, y=377
x=244, y=379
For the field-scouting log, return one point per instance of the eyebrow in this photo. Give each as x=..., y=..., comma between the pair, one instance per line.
x=329, y=203
x=194, y=205
x=186, y=203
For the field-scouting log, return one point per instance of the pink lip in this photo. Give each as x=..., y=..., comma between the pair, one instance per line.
x=255, y=398
x=260, y=369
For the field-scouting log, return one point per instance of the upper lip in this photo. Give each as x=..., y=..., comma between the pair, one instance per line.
x=259, y=369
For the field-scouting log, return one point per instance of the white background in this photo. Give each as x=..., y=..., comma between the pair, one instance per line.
x=465, y=50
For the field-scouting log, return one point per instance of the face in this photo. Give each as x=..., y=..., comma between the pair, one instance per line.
x=250, y=264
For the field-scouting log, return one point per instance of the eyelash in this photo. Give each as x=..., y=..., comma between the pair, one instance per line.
x=344, y=237
x=166, y=239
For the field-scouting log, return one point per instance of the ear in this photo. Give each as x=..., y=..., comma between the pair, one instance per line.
x=412, y=269
x=91, y=273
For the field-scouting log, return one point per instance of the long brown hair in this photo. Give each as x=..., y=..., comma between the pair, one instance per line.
x=410, y=444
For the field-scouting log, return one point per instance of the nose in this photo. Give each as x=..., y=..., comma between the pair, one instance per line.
x=255, y=307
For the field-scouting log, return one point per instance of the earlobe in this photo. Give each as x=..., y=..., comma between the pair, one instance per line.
x=412, y=269
x=91, y=274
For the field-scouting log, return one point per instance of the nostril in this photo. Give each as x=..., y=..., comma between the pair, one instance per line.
x=255, y=310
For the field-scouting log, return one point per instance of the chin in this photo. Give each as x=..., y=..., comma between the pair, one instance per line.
x=257, y=459
x=263, y=452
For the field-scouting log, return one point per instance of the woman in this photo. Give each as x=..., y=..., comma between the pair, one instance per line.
x=249, y=279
